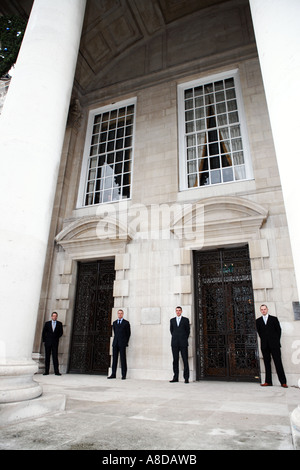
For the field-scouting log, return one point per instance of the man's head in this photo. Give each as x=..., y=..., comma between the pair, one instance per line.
x=178, y=311
x=54, y=316
x=120, y=314
x=263, y=309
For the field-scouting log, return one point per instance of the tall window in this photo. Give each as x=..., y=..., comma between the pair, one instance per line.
x=108, y=154
x=213, y=142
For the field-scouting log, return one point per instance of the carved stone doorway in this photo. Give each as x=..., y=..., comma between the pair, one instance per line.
x=92, y=318
x=226, y=339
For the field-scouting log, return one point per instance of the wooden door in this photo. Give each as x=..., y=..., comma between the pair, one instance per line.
x=225, y=318
x=92, y=318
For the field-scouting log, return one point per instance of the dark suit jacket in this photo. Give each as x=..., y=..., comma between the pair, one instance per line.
x=49, y=336
x=269, y=333
x=180, y=333
x=121, y=333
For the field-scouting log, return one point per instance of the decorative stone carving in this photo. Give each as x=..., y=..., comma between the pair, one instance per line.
x=224, y=216
x=81, y=238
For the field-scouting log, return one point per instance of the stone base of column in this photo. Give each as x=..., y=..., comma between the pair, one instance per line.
x=17, y=384
x=295, y=424
x=11, y=413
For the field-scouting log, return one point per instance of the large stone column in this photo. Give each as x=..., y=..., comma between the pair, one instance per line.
x=277, y=32
x=32, y=126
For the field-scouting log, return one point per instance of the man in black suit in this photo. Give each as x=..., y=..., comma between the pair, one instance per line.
x=52, y=331
x=180, y=331
x=269, y=330
x=121, y=329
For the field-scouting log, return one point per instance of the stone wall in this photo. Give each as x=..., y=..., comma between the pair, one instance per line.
x=154, y=269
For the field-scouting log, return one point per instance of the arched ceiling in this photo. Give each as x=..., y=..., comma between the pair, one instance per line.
x=115, y=30
x=124, y=39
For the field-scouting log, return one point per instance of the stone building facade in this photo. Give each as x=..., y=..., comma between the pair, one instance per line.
x=152, y=234
x=162, y=189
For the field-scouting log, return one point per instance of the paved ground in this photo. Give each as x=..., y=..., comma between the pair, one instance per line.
x=103, y=414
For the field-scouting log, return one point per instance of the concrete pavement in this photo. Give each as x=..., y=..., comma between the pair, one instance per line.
x=101, y=414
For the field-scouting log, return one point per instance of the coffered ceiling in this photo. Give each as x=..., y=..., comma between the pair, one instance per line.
x=129, y=38
x=118, y=34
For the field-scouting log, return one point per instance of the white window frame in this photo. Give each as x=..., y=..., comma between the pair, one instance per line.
x=183, y=178
x=87, y=147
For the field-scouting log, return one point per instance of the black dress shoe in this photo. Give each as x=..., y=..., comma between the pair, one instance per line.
x=111, y=377
x=173, y=380
x=123, y=378
x=186, y=381
x=57, y=373
x=46, y=373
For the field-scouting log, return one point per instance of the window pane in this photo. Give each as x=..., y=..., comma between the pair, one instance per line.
x=191, y=140
x=96, y=129
x=191, y=153
x=127, y=166
x=189, y=104
x=188, y=94
x=237, y=144
x=192, y=167
x=192, y=181
x=230, y=94
x=89, y=199
x=109, y=174
x=232, y=105
x=93, y=162
x=214, y=148
x=229, y=83
x=221, y=108
x=199, y=113
x=200, y=125
x=126, y=179
x=220, y=96
x=189, y=116
x=203, y=165
x=233, y=118
x=227, y=175
x=222, y=120
x=235, y=131
x=90, y=186
x=93, y=150
x=102, y=148
x=92, y=174
x=204, y=179
x=190, y=126
x=215, y=177
x=214, y=162
x=198, y=91
x=240, y=172
x=219, y=85
x=238, y=158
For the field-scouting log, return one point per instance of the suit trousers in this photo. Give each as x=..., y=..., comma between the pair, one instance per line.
x=276, y=355
x=184, y=355
x=122, y=351
x=51, y=349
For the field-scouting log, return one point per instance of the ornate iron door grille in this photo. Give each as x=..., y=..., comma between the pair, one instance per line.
x=225, y=318
x=92, y=318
